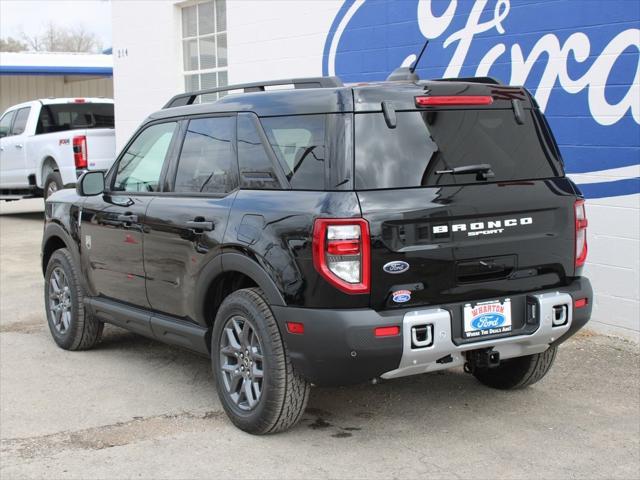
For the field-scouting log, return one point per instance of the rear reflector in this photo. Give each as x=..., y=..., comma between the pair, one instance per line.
x=387, y=331
x=581, y=302
x=295, y=327
x=454, y=100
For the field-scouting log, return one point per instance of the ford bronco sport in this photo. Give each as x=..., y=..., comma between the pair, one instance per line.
x=328, y=234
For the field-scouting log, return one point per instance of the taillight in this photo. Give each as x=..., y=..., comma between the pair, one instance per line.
x=454, y=100
x=80, y=157
x=581, y=233
x=341, y=253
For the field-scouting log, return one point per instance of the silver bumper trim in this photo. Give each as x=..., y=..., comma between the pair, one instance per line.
x=422, y=360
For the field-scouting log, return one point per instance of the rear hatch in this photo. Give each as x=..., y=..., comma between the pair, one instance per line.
x=101, y=148
x=89, y=123
x=439, y=236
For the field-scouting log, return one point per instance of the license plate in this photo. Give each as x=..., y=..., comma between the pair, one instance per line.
x=487, y=318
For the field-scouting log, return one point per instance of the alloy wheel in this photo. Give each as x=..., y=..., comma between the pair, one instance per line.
x=241, y=362
x=60, y=302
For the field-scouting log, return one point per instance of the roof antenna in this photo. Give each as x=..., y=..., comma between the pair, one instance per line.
x=415, y=64
x=408, y=74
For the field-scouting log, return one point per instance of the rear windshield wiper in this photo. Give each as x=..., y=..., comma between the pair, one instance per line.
x=482, y=170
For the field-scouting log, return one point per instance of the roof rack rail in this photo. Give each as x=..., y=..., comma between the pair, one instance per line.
x=188, y=98
x=470, y=79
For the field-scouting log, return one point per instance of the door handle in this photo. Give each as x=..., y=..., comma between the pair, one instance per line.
x=128, y=218
x=201, y=225
x=19, y=145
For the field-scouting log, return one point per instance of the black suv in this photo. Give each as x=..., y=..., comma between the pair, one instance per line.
x=328, y=234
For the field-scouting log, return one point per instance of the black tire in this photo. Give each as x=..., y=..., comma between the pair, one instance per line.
x=82, y=330
x=284, y=394
x=518, y=372
x=52, y=184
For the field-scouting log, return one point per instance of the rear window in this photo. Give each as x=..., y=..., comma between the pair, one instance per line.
x=299, y=144
x=74, y=116
x=425, y=142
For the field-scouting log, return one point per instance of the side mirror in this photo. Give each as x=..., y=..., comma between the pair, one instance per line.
x=90, y=184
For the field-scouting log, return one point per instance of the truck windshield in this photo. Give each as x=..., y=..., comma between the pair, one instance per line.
x=426, y=142
x=74, y=116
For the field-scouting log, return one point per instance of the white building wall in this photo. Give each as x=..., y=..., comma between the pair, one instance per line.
x=280, y=39
x=266, y=40
x=269, y=40
x=147, y=59
x=613, y=264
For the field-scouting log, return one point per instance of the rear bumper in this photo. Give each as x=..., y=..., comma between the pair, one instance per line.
x=339, y=346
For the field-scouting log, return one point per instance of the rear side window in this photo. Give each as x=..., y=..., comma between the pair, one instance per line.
x=299, y=143
x=256, y=168
x=72, y=116
x=207, y=160
x=20, y=123
x=426, y=142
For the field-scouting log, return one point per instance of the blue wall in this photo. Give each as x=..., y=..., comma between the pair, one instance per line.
x=579, y=58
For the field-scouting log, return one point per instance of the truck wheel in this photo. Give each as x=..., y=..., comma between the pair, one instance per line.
x=52, y=184
x=72, y=327
x=256, y=383
x=518, y=372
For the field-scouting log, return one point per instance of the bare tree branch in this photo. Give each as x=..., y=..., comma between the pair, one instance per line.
x=12, y=45
x=56, y=38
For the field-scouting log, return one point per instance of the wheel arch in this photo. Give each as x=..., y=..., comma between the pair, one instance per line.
x=225, y=274
x=47, y=164
x=55, y=238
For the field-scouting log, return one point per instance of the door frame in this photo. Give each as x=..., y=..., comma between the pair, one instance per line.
x=111, y=198
x=172, y=169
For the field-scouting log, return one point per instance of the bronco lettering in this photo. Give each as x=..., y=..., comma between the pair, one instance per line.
x=478, y=228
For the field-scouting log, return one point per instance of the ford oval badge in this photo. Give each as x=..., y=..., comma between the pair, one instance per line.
x=396, y=267
x=401, y=296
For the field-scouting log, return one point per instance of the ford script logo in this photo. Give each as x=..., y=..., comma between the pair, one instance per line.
x=396, y=267
x=488, y=320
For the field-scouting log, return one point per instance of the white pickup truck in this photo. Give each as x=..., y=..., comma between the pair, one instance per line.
x=46, y=144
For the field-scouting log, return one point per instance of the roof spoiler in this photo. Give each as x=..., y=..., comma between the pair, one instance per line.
x=408, y=74
x=490, y=80
x=189, y=98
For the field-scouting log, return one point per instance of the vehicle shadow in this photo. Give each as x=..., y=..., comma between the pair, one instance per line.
x=23, y=215
x=342, y=412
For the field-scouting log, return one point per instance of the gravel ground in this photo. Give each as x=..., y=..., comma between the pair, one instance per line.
x=135, y=408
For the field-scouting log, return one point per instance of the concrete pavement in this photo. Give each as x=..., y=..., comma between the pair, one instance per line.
x=135, y=408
